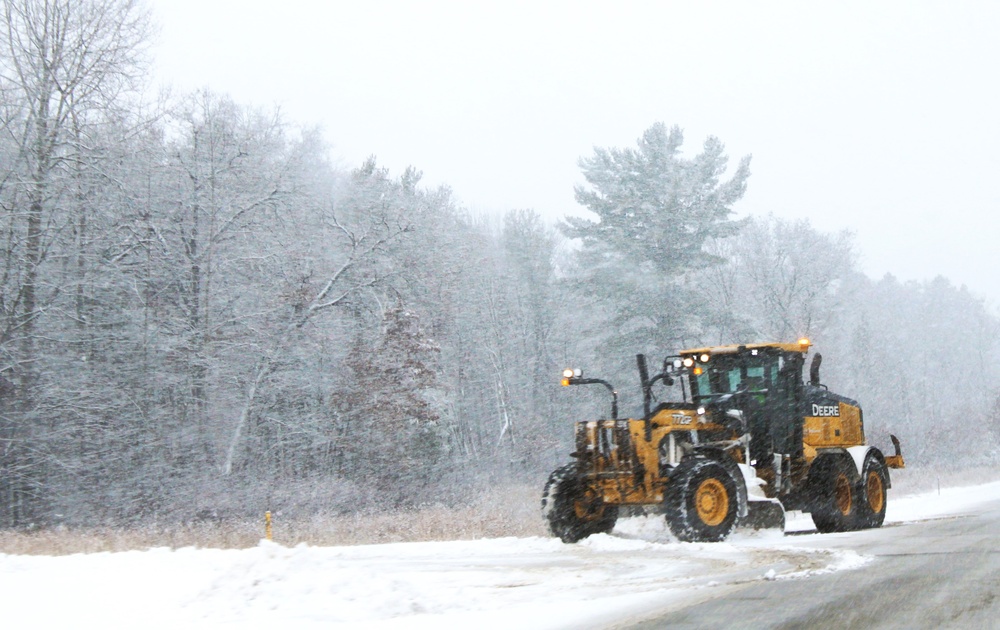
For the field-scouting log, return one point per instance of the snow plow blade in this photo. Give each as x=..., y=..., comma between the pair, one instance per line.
x=764, y=515
x=895, y=461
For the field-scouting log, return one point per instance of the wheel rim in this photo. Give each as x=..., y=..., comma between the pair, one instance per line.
x=875, y=492
x=842, y=495
x=712, y=502
x=589, y=508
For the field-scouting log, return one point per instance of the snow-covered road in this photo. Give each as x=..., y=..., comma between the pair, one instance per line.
x=509, y=582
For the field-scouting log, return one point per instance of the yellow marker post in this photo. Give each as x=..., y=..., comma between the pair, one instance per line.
x=267, y=525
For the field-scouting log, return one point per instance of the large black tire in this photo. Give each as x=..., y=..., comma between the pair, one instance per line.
x=571, y=512
x=833, y=495
x=872, y=494
x=701, y=501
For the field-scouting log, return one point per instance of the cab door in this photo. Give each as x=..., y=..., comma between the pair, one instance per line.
x=784, y=404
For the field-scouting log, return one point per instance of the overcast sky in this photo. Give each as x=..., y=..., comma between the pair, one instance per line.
x=882, y=118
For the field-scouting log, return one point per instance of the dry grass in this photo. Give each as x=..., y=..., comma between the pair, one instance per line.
x=511, y=511
x=507, y=512
x=61, y=541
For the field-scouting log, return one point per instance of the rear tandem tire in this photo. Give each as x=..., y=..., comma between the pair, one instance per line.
x=570, y=513
x=701, y=501
x=872, y=497
x=834, y=496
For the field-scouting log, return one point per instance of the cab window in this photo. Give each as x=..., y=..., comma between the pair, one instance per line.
x=727, y=375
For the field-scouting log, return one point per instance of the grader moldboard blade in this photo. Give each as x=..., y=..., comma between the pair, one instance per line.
x=764, y=515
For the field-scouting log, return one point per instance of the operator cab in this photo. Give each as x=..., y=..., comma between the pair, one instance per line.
x=755, y=373
x=764, y=381
x=763, y=370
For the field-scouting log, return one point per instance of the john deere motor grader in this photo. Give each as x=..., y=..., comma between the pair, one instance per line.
x=746, y=440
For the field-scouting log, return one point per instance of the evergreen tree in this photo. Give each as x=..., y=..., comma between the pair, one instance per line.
x=655, y=211
x=394, y=426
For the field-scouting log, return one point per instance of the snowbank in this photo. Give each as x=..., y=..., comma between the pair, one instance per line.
x=527, y=582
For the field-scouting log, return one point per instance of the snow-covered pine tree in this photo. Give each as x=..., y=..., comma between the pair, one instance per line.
x=655, y=211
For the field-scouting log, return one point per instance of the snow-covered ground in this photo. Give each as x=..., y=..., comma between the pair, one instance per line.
x=509, y=582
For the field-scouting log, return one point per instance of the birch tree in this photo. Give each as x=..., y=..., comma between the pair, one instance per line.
x=64, y=64
x=781, y=280
x=345, y=268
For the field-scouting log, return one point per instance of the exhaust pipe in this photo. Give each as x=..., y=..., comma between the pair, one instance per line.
x=814, y=369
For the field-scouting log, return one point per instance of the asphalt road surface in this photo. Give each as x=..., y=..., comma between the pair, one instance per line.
x=942, y=573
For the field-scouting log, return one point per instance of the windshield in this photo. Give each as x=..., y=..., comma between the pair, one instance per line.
x=725, y=375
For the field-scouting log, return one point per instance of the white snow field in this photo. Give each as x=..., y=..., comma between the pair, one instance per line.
x=519, y=583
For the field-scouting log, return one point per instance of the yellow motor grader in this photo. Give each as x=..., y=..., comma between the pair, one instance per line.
x=743, y=439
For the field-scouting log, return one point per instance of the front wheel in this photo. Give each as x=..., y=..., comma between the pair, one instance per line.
x=701, y=501
x=571, y=510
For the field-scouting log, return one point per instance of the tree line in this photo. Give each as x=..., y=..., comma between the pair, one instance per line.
x=198, y=311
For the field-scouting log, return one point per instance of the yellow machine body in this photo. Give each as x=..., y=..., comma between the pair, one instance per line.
x=630, y=461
